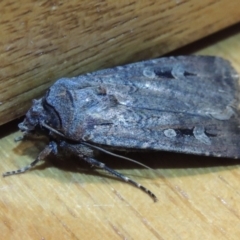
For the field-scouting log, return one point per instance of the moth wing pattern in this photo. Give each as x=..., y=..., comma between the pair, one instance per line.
x=184, y=104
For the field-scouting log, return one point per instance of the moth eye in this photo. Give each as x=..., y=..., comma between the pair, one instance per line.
x=52, y=116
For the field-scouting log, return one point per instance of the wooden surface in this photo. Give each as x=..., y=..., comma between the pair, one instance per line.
x=42, y=41
x=198, y=196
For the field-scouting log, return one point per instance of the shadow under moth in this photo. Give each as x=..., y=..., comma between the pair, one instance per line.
x=186, y=104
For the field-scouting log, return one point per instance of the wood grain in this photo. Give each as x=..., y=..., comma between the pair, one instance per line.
x=42, y=41
x=198, y=196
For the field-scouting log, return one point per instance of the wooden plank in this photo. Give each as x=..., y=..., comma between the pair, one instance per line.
x=45, y=40
x=198, y=196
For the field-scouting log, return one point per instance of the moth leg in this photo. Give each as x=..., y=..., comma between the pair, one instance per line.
x=42, y=155
x=118, y=175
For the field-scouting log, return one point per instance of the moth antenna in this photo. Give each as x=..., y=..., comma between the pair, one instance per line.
x=115, y=155
x=52, y=129
x=95, y=147
x=101, y=165
x=43, y=154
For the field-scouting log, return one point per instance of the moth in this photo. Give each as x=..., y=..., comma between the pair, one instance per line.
x=186, y=104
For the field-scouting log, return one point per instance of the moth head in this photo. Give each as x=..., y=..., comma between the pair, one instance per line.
x=34, y=117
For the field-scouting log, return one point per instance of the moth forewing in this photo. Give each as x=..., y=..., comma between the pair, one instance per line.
x=183, y=104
